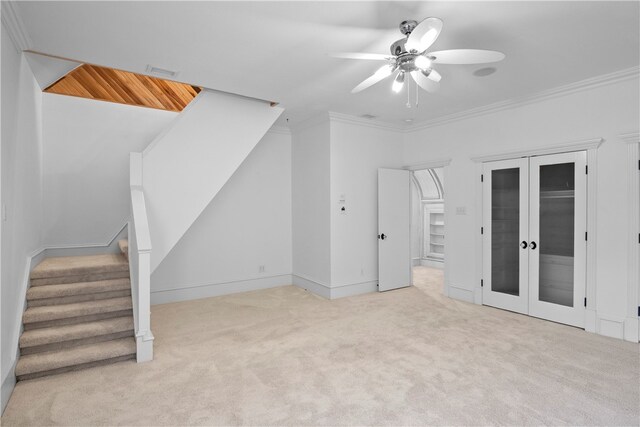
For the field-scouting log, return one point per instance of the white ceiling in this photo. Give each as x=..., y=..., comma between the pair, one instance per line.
x=278, y=51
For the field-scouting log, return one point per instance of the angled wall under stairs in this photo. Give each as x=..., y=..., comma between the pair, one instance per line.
x=79, y=315
x=186, y=166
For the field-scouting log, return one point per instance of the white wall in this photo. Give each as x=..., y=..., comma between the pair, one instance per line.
x=416, y=218
x=186, y=166
x=358, y=150
x=47, y=70
x=603, y=111
x=247, y=225
x=86, y=165
x=21, y=195
x=311, y=203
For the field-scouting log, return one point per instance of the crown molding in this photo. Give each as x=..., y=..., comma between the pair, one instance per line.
x=579, y=86
x=585, y=144
x=360, y=121
x=630, y=138
x=439, y=163
x=14, y=25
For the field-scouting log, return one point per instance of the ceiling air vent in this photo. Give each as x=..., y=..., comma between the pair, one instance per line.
x=162, y=72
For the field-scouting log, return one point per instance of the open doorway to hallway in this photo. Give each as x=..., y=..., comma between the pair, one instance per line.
x=427, y=227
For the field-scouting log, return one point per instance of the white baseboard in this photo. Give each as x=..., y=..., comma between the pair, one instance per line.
x=631, y=325
x=477, y=295
x=8, y=376
x=190, y=292
x=432, y=263
x=144, y=347
x=354, y=289
x=312, y=286
x=109, y=246
x=335, y=292
x=591, y=321
x=611, y=327
x=8, y=384
x=460, y=293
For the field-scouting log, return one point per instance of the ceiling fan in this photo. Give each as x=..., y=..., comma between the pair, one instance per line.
x=409, y=55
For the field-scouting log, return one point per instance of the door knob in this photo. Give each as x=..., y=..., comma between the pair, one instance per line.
x=523, y=245
x=533, y=245
x=382, y=236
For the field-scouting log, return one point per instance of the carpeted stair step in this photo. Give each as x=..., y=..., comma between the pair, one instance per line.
x=80, y=278
x=58, y=270
x=56, y=315
x=54, y=362
x=58, y=337
x=77, y=292
x=124, y=247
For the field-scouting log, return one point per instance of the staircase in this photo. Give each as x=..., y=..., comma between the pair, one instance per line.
x=79, y=315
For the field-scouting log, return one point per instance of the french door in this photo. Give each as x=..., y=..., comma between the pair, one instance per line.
x=534, y=241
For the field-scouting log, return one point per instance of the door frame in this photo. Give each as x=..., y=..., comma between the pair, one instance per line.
x=632, y=323
x=432, y=164
x=591, y=147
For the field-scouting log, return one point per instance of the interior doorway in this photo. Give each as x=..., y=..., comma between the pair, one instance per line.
x=427, y=218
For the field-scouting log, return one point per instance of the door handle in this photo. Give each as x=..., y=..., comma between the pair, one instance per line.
x=523, y=245
x=382, y=236
x=533, y=245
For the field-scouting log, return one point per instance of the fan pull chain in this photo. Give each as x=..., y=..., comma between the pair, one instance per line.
x=417, y=96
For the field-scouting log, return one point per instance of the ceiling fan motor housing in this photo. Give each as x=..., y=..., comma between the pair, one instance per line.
x=406, y=27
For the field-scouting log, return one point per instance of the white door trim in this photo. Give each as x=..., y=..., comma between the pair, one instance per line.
x=565, y=147
x=631, y=323
x=439, y=163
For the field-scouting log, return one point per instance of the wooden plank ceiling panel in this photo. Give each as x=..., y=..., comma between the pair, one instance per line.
x=123, y=87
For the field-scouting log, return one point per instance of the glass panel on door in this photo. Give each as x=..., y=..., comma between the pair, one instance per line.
x=505, y=231
x=556, y=244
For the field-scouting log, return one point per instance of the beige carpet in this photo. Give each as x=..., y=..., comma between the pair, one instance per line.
x=406, y=357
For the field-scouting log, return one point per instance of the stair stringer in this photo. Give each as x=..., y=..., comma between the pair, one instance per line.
x=186, y=166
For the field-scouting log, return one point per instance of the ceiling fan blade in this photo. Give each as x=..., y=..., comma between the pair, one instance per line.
x=466, y=56
x=382, y=73
x=423, y=36
x=425, y=82
x=357, y=55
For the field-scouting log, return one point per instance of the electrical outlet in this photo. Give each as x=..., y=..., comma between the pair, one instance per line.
x=461, y=210
x=261, y=269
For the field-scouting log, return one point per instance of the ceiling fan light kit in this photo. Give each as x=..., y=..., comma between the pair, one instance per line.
x=409, y=55
x=398, y=82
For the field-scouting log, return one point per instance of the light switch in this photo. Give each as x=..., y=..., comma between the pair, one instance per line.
x=461, y=210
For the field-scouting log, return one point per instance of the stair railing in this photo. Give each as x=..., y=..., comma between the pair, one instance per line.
x=140, y=262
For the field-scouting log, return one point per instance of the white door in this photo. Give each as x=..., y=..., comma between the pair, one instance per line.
x=557, y=227
x=506, y=234
x=394, y=229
